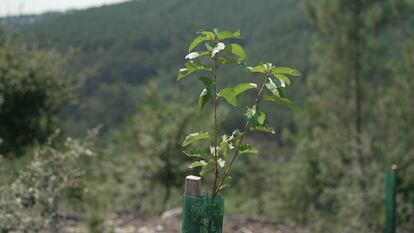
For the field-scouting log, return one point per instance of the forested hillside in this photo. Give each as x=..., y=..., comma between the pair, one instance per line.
x=131, y=43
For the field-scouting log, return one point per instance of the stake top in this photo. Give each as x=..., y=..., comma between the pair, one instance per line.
x=192, y=186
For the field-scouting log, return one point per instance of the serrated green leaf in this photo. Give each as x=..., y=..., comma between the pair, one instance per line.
x=197, y=41
x=205, y=96
x=257, y=69
x=195, y=137
x=190, y=67
x=237, y=33
x=184, y=72
x=281, y=100
x=263, y=128
x=237, y=50
x=207, y=92
x=282, y=77
x=209, y=46
x=197, y=65
x=229, y=95
x=279, y=84
x=226, y=144
x=228, y=35
x=200, y=163
x=243, y=87
x=261, y=118
x=248, y=149
x=208, y=82
x=286, y=70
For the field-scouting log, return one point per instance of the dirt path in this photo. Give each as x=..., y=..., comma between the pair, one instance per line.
x=172, y=224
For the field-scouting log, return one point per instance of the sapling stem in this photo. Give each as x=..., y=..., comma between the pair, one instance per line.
x=244, y=133
x=216, y=172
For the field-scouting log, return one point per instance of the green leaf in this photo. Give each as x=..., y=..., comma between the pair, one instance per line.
x=197, y=41
x=207, y=92
x=196, y=153
x=282, y=77
x=219, y=47
x=184, y=72
x=195, y=137
x=243, y=87
x=255, y=116
x=261, y=118
x=205, y=96
x=206, y=169
x=208, y=82
x=237, y=33
x=237, y=50
x=197, y=65
x=228, y=35
x=263, y=128
x=200, y=163
x=272, y=87
x=257, y=69
x=208, y=34
x=227, y=60
x=286, y=70
x=225, y=145
x=190, y=67
x=209, y=46
x=281, y=100
x=221, y=162
x=229, y=95
x=248, y=149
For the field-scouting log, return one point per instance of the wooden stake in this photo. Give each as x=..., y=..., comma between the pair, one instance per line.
x=193, y=186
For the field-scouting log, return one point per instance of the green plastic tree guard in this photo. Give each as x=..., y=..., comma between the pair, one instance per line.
x=203, y=214
x=390, y=200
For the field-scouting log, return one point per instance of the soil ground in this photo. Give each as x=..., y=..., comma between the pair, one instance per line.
x=171, y=223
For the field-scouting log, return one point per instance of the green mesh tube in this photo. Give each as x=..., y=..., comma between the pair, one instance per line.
x=203, y=214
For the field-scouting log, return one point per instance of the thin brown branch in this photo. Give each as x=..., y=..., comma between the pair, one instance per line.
x=244, y=133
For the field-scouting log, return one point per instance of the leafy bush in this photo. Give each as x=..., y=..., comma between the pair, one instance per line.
x=33, y=87
x=31, y=203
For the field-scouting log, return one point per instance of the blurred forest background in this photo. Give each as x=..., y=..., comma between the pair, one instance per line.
x=92, y=118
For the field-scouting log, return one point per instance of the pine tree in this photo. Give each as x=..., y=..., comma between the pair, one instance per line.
x=336, y=160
